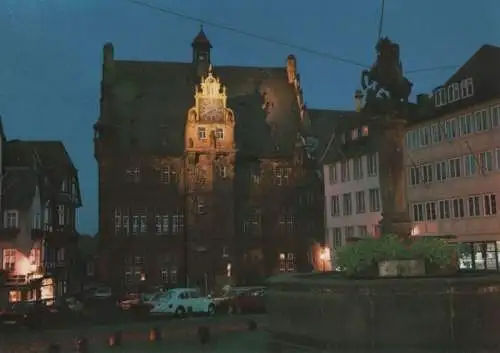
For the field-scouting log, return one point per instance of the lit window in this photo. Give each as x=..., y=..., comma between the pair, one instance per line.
x=9, y=259
x=219, y=134
x=202, y=133
x=165, y=175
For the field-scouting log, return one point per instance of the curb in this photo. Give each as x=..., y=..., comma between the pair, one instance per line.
x=100, y=339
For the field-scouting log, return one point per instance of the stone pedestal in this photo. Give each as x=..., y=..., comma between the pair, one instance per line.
x=395, y=218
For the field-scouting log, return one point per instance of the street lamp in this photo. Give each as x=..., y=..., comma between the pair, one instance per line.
x=324, y=256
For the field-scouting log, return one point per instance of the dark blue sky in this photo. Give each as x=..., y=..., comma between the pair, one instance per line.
x=50, y=62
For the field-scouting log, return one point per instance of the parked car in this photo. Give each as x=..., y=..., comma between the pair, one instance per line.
x=248, y=301
x=182, y=301
x=102, y=293
x=27, y=314
x=129, y=300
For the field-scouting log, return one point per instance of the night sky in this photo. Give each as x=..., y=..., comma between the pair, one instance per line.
x=50, y=57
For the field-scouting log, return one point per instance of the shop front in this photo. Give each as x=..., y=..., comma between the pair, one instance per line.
x=480, y=256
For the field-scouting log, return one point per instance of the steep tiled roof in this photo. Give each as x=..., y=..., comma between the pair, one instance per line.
x=52, y=154
x=150, y=100
x=19, y=187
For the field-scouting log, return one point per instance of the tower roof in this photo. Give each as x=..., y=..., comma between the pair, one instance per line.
x=201, y=39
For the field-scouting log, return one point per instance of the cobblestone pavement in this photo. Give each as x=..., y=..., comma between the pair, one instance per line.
x=175, y=333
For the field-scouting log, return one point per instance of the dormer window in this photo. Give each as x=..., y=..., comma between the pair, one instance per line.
x=11, y=219
x=467, y=87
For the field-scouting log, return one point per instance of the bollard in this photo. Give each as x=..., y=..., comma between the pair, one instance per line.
x=82, y=345
x=204, y=334
x=115, y=340
x=252, y=325
x=154, y=334
x=54, y=348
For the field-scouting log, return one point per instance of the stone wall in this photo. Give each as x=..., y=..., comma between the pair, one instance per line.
x=328, y=312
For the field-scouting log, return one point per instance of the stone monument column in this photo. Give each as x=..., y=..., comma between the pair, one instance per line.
x=386, y=91
x=395, y=217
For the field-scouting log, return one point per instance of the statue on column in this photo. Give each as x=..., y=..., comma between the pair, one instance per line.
x=386, y=91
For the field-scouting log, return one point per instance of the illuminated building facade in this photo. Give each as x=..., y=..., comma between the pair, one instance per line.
x=202, y=167
x=40, y=195
x=453, y=160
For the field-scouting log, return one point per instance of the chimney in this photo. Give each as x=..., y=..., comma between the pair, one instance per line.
x=358, y=100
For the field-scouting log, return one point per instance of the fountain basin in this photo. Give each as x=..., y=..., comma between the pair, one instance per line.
x=326, y=312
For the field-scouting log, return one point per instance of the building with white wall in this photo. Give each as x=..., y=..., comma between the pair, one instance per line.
x=453, y=161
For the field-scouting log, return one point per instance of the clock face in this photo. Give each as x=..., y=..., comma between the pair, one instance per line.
x=211, y=109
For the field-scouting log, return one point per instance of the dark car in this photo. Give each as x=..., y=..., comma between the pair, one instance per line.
x=28, y=314
x=249, y=301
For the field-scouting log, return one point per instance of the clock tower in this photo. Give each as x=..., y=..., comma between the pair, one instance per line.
x=209, y=169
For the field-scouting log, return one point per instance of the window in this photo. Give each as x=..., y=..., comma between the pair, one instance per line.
x=470, y=165
x=345, y=173
x=164, y=275
x=177, y=223
x=11, y=219
x=465, y=125
x=441, y=171
x=426, y=173
x=481, y=122
x=451, y=128
x=133, y=175
x=161, y=223
x=126, y=224
x=354, y=134
x=281, y=175
x=287, y=262
x=37, y=221
x=337, y=238
x=144, y=224
x=362, y=231
x=222, y=170
x=64, y=186
x=347, y=204
x=455, y=169
x=173, y=274
x=332, y=174
x=202, y=133
x=60, y=214
x=364, y=130
x=360, y=202
x=358, y=168
x=424, y=135
x=165, y=175
x=349, y=232
x=451, y=94
x=436, y=133
x=9, y=259
x=219, y=134
x=444, y=209
x=374, y=200
x=135, y=224
x=371, y=162
x=490, y=205
x=287, y=222
x=430, y=211
x=467, y=88
x=456, y=91
x=474, y=206
x=495, y=116
x=414, y=176
x=458, y=208
x=335, y=206
x=418, y=212
x=60, y=254
x=225, y=251
x=486, y=161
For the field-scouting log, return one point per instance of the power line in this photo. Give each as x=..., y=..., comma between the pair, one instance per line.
x=301, y=48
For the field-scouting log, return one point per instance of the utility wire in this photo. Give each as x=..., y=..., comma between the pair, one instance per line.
x=270, y=39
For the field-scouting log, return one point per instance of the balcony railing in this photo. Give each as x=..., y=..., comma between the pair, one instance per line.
x=15, y=280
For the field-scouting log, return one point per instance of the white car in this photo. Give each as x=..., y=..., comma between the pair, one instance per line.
x=182, y=301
